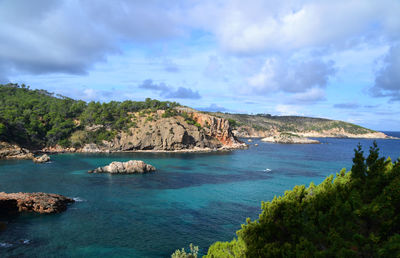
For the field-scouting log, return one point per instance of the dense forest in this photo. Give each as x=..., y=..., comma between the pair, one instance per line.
x=37, y=118
x=355, y=214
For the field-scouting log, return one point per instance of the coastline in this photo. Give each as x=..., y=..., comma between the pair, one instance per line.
x=193, y=150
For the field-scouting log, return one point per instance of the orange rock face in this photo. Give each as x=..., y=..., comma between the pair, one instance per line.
x=217, y=127
x=33, y=202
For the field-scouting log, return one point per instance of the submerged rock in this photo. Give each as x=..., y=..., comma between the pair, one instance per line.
x=129, y=167
x=41, y=159
x=11, y=203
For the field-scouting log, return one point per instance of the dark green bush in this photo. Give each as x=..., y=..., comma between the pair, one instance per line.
x=355, y=214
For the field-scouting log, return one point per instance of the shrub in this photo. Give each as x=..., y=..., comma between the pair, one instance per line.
x=355, y=214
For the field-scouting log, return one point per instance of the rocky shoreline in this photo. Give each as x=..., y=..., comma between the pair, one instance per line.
x=289, y=139
x=13, y=151
x=249, y=132
x=43, y=203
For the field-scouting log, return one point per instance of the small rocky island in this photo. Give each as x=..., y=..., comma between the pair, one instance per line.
x=13, y=203
x=129, y=167
x=41, y=159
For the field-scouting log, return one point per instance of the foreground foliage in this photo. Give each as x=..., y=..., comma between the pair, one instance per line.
x=194, y=250
x=355, y=214
x=37, y=118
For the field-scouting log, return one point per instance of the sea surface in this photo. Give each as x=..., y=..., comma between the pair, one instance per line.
x=195, y=198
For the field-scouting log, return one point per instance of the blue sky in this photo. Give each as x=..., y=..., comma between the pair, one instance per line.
x=333, y=59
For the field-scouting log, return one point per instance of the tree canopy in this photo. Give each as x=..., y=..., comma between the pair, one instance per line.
x=37, y=118
x=355, y=214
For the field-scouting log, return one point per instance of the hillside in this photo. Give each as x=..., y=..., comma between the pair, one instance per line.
x=39, y=120
x=264, y=125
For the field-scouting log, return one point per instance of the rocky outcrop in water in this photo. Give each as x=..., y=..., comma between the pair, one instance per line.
x=289, y=139
x=41, y=159
x=129, y=167
x=11, y=203
x=13, y=151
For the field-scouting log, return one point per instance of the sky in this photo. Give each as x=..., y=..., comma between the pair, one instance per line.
x=333, y=59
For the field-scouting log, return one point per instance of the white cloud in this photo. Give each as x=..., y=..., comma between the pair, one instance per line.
x=310, y=96
x=251, y=27
x=387, y=81
x=70, y=36
x=287, y=110
x=278, y=74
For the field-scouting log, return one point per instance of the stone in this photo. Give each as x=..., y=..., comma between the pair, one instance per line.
x=129, y=167
x=41, y=159
x=11, y=203
x=285, y=138
x=13, y=151
x=90, y=147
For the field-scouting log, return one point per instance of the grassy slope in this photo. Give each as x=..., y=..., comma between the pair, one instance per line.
x=292, y=123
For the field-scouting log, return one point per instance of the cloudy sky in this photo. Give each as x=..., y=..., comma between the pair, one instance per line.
x=335, y=59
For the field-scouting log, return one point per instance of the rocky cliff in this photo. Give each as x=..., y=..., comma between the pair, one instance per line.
x=185, y=130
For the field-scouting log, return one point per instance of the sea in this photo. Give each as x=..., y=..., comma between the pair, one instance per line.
x=194, y=198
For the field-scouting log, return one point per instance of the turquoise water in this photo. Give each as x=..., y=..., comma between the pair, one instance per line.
x=192, y=198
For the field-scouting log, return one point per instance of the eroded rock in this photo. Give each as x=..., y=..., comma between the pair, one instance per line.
x=129, y=167
x=32, y=202
x=13, y=151
x=42, y=159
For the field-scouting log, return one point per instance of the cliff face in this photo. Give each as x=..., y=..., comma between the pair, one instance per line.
x=215, y=127
x=154, y=131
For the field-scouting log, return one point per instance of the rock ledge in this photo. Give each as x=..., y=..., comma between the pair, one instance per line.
x=11, y=203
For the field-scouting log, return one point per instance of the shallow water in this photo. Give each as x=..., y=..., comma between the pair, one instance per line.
x=195, y=198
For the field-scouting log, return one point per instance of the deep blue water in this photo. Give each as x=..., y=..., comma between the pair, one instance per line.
x=192, y=198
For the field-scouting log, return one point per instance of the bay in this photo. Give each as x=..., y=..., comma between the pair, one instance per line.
x=195, y=198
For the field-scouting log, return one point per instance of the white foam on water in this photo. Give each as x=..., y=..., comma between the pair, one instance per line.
x=25, y=241
x=78, y=199
x=5, y=245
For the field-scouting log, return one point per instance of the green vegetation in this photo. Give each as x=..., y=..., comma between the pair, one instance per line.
x=355, y=214
x=169, y=112
x=37, y=118
x=194, y=250
x=233, y=123
x=265, y=122
x=189, y=119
